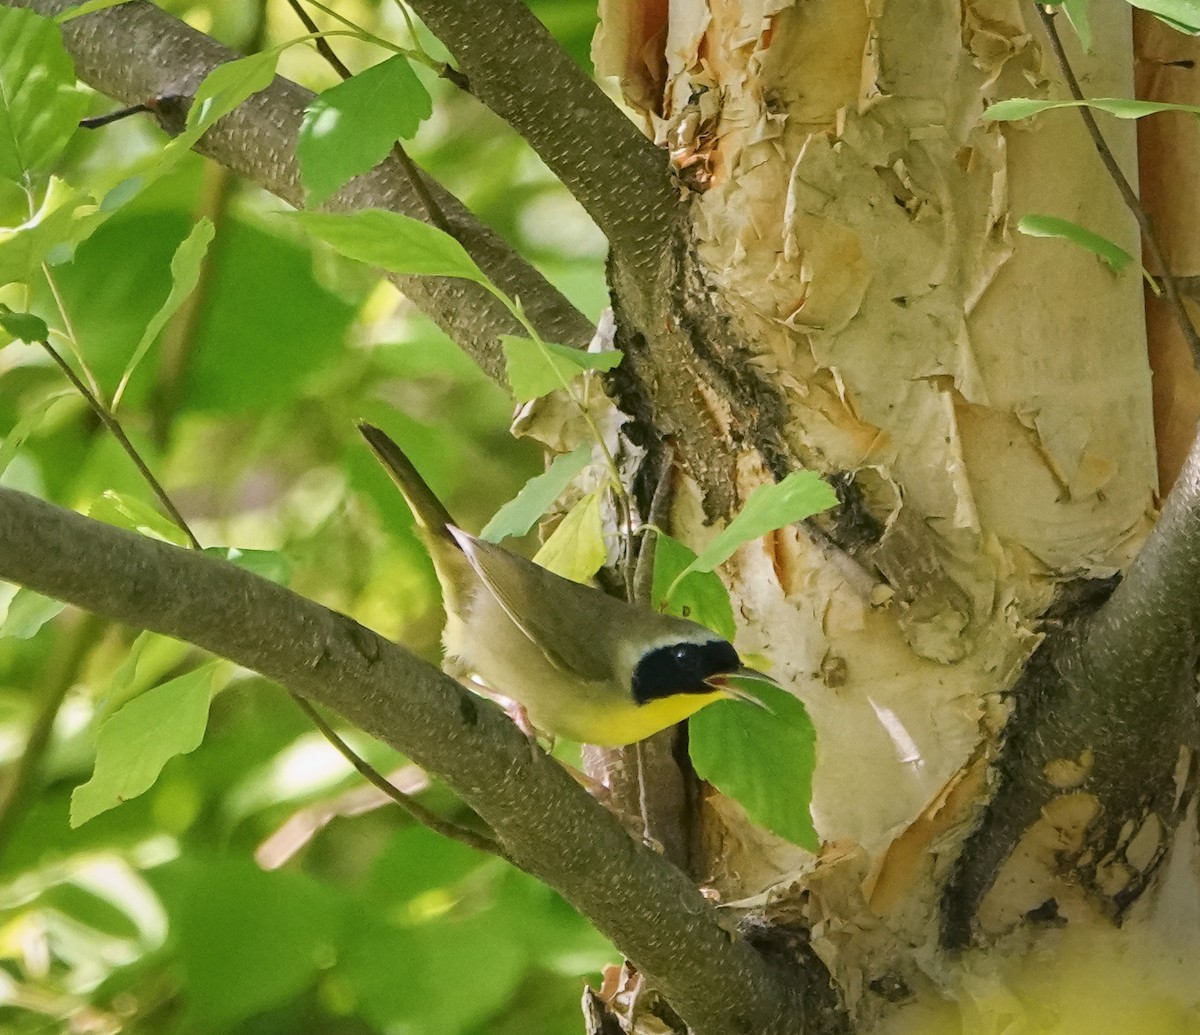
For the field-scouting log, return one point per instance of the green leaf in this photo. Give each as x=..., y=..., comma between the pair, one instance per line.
x=147, y=661
x=1119, y=107
x=535, y=368
x=1183, y=15
x=397, y=243
x=85, y=8
x=40, y=107
x=349, y=128
x=518, y=515
x=185, y=273
x=128, y=512
x=800, y=495
x=698, y=595
x=27, y=613
x=1077, y=14
x=269, y=564
x=65, y=217
x=1051, y=226
x=24, y=326
x=575, y=550
x=227, y=86
x=137, y=741
x=762, y=759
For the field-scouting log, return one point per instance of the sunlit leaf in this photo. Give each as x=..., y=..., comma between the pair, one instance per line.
x=1051, y=226
x=85, y=8
x=228, y=85
x=799, y=496
x=518, y=515
x=269, y=564
x=1077, y=14
x=537, y=368
x=40, y=107
x=763, y=759
x=185, y=272
x=27, y=613
x=137, y=741
x=575, y=550
x=65, y=217
x=698, y=595
x=1183, y=15
x=128, y=512
x=1119, y=107
x=349, y=128
x=397, y=243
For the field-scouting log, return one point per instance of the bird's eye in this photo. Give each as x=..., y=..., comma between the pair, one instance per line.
x=681, y=653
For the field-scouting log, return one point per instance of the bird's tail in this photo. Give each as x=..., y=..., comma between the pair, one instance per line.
x=426, y=507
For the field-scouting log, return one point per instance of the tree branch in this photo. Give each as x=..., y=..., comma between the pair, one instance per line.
x=519, y=71
x=136, y=52
x=1120, y=690
x=543, y=819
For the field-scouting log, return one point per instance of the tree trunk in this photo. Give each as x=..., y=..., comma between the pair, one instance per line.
x=984, y=400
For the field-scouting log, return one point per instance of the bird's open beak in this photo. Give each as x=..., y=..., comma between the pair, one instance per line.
x=723, y=682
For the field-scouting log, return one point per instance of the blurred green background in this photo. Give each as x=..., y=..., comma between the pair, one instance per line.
x=260, y=886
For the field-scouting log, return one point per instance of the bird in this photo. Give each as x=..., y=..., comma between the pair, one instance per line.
x=583, y=665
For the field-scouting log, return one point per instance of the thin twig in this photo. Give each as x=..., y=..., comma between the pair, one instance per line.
x=1128, y=195
x=464, y=835
x=436, y=216
x=110, y=422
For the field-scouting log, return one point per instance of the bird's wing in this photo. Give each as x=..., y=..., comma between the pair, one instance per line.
x=562, y=631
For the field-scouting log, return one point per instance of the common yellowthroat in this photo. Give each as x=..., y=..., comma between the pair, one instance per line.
x=583, y=665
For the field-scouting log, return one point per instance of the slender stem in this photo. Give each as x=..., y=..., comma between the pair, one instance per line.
x=1128, y=195
x=110, y=422
x=71, y=338
x=419, y=186
x=464, y=835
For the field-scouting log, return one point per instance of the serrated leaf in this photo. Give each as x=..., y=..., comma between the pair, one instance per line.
x=65, y=217
x=1051, y=226
x=137, y=741
x=269, y=564
x=770, y=507
x=128, y=512
x=699, y=595
x=519, y=514
x=186, y=264
x=1119, y=107
x=24, y=326
x=227, y=86
x=763, y=759
x=537, y=368
x=40, y=107
x=27, y=613
x=397, y=243
x=350, y=128
x=575, y=550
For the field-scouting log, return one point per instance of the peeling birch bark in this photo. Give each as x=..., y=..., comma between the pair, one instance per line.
x=858, y=219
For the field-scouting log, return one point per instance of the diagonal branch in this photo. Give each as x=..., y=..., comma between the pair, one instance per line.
x=545, y=822
x=519, y=71
x=1118, y=691
x=136, y=52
